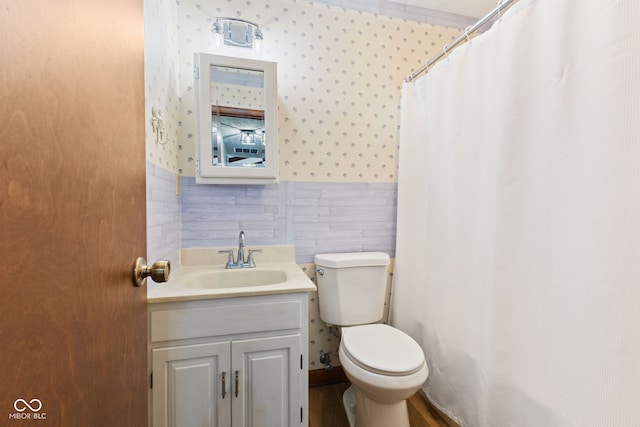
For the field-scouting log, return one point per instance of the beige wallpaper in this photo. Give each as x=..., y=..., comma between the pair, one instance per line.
x=161, y=84
x=236, y=96
x=339, y=77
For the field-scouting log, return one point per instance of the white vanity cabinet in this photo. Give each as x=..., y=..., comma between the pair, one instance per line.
x=229, y=362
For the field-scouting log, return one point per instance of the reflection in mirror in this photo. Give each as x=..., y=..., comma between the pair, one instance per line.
x=237, y=117
x=237, y=137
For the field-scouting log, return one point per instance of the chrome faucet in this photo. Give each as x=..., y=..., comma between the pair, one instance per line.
x=241, y=248
x=240, y=261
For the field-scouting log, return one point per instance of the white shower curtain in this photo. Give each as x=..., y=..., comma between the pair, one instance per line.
x=518, y=251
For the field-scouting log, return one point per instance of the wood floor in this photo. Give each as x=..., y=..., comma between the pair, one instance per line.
x=326, y=410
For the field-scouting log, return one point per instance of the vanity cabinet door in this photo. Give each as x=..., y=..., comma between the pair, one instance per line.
x=269, y=382
x=188, y=385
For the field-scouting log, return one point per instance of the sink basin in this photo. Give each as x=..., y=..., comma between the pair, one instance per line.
x=225, y=279
x=202, y=276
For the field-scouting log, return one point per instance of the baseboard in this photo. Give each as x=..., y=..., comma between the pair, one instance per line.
x=320, y=377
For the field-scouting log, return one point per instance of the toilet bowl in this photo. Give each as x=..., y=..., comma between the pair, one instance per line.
x=385, y=367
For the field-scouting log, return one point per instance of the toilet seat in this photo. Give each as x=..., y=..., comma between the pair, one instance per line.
x=382, y=349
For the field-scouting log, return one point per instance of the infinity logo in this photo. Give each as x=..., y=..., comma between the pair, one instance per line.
x=24, y=405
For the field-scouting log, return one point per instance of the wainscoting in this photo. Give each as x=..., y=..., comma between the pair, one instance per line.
x=317, y=217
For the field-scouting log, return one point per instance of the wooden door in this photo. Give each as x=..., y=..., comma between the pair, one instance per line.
x=72, y=213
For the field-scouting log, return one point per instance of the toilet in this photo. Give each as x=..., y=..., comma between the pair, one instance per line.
x=384, y=365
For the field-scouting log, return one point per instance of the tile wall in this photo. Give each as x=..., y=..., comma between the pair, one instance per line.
x=164, y=217
x=315, y=217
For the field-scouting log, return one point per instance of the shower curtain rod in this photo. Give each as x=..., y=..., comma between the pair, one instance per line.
x=462, y=37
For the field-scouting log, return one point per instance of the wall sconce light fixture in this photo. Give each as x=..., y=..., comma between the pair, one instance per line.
x=236, y=32
x=157, y=125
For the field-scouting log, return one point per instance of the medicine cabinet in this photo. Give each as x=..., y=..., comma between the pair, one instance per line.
x=236, y=106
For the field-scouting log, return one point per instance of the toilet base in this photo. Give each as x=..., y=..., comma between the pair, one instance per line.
x=363, y=412
x=349, y=402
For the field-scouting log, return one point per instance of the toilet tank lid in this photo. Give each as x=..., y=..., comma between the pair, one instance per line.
x=352, y=259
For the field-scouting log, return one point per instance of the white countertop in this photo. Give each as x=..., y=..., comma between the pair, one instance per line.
x=192, y=260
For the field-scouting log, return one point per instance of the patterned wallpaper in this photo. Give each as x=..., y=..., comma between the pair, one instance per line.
x=233, y=95
x=339, y=77
x=161, y=84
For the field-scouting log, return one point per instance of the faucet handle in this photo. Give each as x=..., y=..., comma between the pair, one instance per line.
x=229, y=257
x=250, y=258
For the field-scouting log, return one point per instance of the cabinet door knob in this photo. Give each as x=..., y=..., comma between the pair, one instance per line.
x=224, y=385
x=237, y=386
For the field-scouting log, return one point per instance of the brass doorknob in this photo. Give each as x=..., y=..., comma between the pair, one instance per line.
x=159, y=271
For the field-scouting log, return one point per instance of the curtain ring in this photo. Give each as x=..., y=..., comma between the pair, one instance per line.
x=500, y=9
x=466, y=34
x=446, y=51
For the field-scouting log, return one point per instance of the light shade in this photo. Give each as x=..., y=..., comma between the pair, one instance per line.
x=236, y=33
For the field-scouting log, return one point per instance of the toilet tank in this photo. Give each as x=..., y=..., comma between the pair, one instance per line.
x=352, y=287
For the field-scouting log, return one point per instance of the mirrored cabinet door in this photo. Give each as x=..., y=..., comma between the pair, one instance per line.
x=236, y=120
